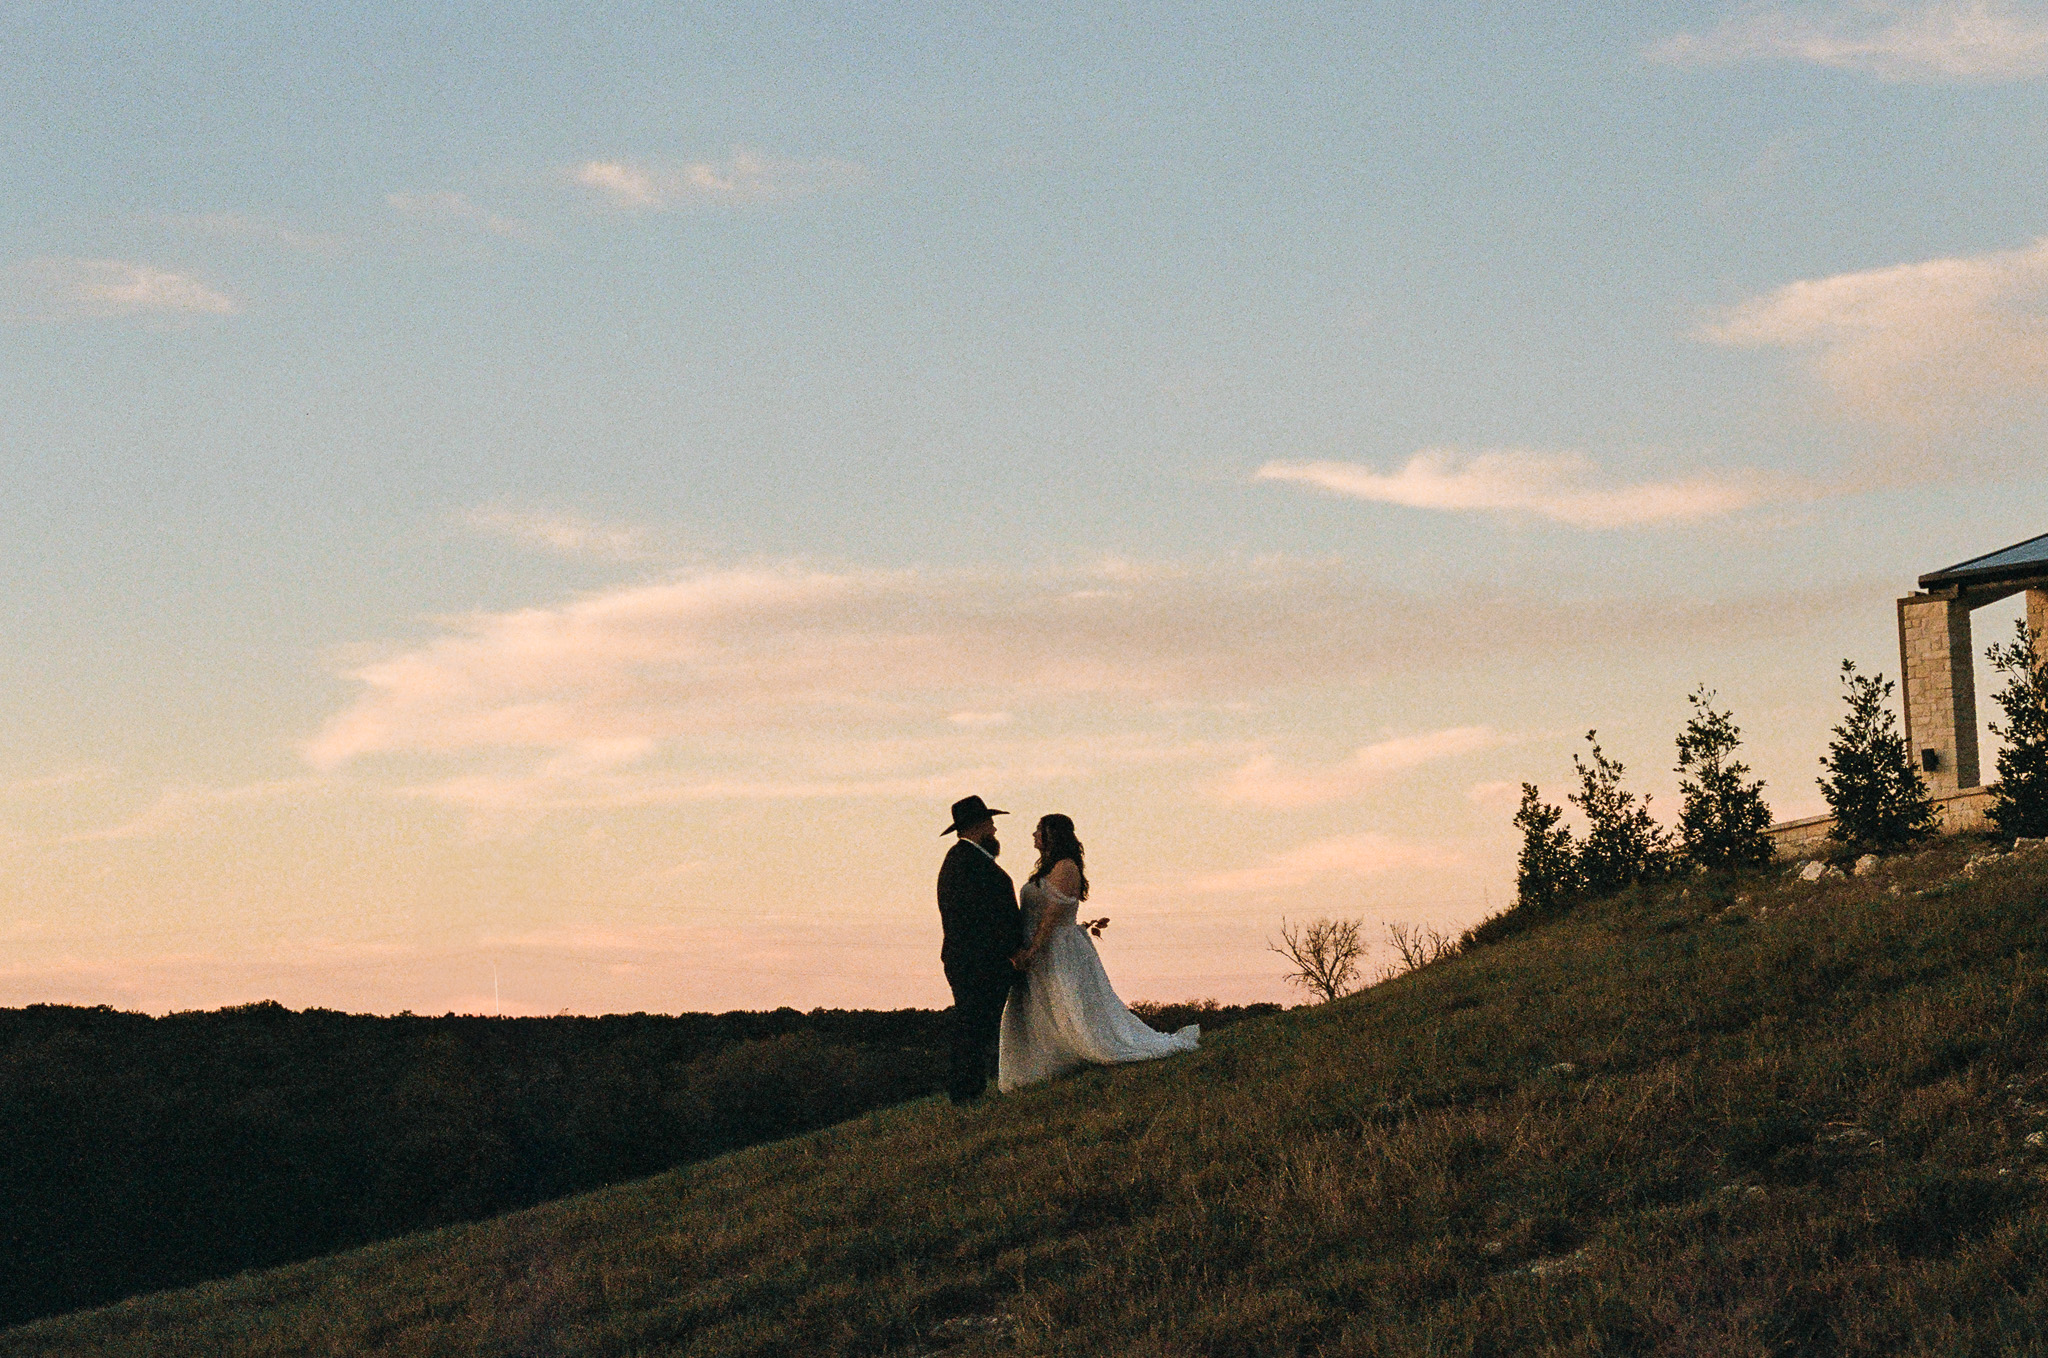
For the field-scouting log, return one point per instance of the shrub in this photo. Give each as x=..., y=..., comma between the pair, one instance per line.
x=1878, y=798
x=1170, y=1015
x=1325, y=955
x=1547, y=873
x=1418, y=946
x=1722, y=821
x=1624, y=844
x=2019, y=803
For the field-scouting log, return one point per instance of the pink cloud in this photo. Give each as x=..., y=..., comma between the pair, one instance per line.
x=1965, y=40
x=743, y=177
x=1564, y=488
x=1265, y=782
x=1911, y=341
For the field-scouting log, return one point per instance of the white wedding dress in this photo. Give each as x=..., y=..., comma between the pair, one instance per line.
x=1066, y=1014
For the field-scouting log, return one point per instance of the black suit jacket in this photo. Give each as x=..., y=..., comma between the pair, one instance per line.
x=978, y=907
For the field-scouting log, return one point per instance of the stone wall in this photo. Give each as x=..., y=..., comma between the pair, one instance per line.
x=1960, y=812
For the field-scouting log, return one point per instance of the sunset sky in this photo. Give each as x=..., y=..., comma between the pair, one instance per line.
x=541, y=508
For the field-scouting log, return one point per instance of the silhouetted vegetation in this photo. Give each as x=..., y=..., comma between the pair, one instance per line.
x=1878, y=798
x=1624, y=844
x=1547, y=871
x=2019, y=802
x=1168, y=1018
x=1722, y=819
x=1417, y=946
x=139, y=1153
x=1325, y=955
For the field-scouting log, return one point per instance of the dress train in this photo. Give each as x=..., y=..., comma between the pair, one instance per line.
x=1066, y=1014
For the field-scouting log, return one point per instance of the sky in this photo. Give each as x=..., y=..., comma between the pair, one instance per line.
x=540, y=509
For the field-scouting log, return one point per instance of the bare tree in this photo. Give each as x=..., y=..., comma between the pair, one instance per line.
x=1418, y=945
x=1325, y=955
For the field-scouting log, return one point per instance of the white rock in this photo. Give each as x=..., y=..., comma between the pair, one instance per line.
x=1979, y=863
x=1564, y=1263
x=1813, y=871
x=1868, y=864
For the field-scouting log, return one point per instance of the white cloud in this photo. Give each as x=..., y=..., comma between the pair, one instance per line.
x=624, y=185
x=65, y=288
x=780, y=681
x=1343, y=858
x=792, y=647
x=457, y=210
x=1265, y=782
x=1970, y=40
x=562, y=534
x=1562, y=487
x=743, y=177
x=1911, y=340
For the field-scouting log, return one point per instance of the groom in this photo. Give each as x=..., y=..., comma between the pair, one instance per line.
x=984, y=938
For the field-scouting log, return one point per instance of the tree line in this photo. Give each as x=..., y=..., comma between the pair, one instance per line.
x=1872, y=787
x=140, y=1153
x=1876, y=795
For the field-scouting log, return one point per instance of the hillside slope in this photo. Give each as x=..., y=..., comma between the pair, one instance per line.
x=1797, y=1125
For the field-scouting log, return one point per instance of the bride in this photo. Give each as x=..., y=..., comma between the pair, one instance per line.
x=1065, y=1014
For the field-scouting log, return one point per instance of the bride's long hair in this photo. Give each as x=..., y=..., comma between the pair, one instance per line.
x=1060, y=843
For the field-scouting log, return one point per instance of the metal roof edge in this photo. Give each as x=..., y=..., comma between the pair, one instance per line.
x=1964, y=572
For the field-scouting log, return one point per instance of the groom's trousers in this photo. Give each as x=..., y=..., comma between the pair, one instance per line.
x=977, y=1021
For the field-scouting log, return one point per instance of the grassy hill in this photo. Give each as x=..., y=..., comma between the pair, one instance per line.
x=1738, y=1117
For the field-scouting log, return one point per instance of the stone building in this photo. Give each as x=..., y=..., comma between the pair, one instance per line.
x=1938, y=682
x=1937, y=659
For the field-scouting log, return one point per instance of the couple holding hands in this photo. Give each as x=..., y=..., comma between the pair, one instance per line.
x=1024, y=971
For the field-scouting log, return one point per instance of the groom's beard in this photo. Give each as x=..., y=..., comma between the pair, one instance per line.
x=993, y=845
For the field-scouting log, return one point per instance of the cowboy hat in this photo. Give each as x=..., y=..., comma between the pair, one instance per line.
x=969, y=812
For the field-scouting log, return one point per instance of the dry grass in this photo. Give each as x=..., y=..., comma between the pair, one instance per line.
x=1762, y=1118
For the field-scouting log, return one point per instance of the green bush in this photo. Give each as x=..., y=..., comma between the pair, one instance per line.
x=2019, y=803
x=1547, y=873
x=1722, y=821
x=1878, y=798
x=1624, y=845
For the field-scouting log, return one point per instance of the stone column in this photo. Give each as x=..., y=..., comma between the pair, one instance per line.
x=2037, y=619
x=1940, y=689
